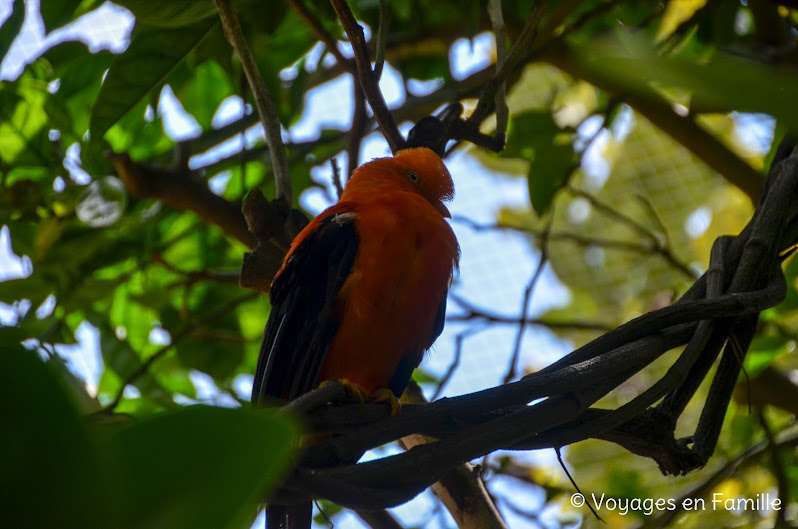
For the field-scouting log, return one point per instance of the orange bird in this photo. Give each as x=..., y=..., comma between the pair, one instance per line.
x=361, y=294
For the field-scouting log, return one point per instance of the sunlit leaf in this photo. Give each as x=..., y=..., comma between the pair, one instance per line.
x=763, y=351
x=80, y=76
x=534, y=136
x=202, y=94
x=152, y=54
x=715, y=85
x=24, y=127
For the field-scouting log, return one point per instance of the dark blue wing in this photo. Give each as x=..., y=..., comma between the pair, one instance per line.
x=301, y=324
x=412, y=359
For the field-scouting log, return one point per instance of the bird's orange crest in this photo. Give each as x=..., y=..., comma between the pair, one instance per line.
x=418, y=170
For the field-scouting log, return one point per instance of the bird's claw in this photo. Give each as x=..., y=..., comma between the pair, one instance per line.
x=356, y=392
x=387, y=396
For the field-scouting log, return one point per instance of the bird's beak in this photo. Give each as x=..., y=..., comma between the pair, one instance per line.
x=443, y=209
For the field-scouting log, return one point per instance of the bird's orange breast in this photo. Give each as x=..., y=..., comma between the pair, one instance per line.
x=388, y=305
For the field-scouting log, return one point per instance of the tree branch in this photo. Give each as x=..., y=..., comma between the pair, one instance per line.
x=267, y=109
x=366, y=76
x=182, y=189
x=322, y=34
x=461, y=489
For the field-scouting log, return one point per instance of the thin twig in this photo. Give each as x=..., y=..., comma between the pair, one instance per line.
x=544, y=257
x=322, y=34
x=517, y=52
x=614, y=213
x=458, y=349
x=571, y=479
x=336, y=177
x=382, y=40
x=531, y=517
x=366, y=76
x=359, y=124
x=585, y=241
x=267, y=109
x=500, y=37
x=242, y=159
x=475, y=313
x=657, y=245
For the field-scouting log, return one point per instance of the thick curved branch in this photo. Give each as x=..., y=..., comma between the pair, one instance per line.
x=461, y=489
x=182, y=189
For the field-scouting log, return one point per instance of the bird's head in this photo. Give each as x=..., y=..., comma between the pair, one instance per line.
x=418, y=170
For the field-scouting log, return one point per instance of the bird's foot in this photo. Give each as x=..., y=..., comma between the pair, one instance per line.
x=387, y=396
x=355, y=391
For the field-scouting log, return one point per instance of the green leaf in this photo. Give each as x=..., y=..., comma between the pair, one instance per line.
x=548, y=172
x=44, y=451
x=211, y=353
x=716, y=85
x=141, y=139
x=152, y=54
x=763, y=351
x=56, y=13
x=11, y=26
x=33, y=287
x=123, y=360
x=198, y=468
x=171, y=14
x=790, y=302
x=205, y=91
x=535, y=136
x=80, y=75
x=24, y=128
x=425, y=67
x=526, y=130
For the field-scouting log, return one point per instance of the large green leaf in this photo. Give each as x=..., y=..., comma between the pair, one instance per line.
x=171, y=14
x=24, y=128
x=45, y=455
x=535, y=136
x=80, y=75
x=716, y=85
x=208, y=86
x=152, y=54
x=56, y=13
x=549, y=171
x=32, y=287
x=11, y=26
x=198, y=468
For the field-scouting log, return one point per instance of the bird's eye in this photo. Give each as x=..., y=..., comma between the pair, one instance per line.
x=413, y=177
